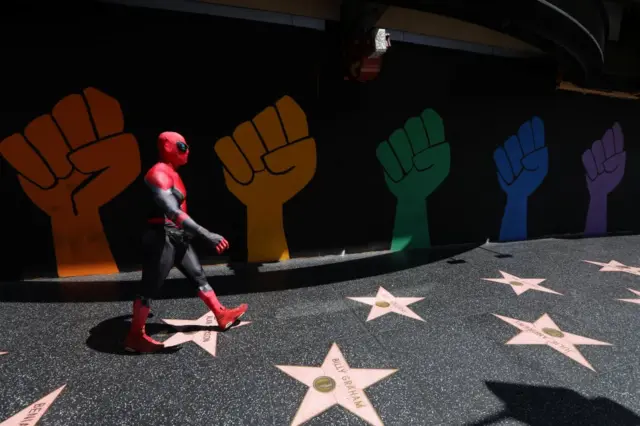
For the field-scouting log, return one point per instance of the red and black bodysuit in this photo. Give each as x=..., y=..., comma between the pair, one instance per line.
x=166, y=243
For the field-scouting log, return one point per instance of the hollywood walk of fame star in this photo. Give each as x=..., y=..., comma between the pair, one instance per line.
x=545, y=332
x=615, y=266
x=335, y=383
x=520, y=285
x=637, y=293
x=206, y=339
x=384, y=303
x=32, y=414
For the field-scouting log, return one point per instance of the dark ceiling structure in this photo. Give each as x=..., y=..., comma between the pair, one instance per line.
x=595, y=44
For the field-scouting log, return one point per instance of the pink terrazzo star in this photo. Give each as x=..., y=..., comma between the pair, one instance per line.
x=3, y=353
x=32, y=414
x=545, y=332
x=615, y=266
x=385, y=302
x=637, y=293
x=206, y=339
x=335, y=383
x=520, y=285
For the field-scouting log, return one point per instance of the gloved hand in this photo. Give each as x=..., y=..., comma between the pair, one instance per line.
x=218, y=241
x=193, y=229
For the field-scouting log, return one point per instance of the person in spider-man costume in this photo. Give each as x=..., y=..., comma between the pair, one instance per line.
x=166, y=243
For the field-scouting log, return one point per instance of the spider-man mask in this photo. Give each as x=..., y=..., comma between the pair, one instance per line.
x=173, y=149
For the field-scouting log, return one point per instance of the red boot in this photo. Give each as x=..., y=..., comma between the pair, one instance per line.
x=137, y=339
x=225, y=317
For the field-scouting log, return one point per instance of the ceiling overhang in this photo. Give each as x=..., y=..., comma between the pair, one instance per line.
x=573, y=30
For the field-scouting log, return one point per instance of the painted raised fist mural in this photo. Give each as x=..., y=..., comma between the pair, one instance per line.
x=416, y=159
x=266, y=162
x=522, y=164
x=70, y=163
x=604, y=164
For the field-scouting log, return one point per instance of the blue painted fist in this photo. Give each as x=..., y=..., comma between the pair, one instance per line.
x=523, y=162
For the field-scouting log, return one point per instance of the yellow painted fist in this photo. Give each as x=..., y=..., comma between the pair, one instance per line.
x=266, y=162
x=271, y=158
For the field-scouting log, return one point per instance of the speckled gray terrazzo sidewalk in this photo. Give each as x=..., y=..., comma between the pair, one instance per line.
x=444, y=357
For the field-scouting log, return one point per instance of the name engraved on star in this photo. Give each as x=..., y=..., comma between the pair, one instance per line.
x=337, y=363
x=516, y=283
x=207, y=334
x=399, y=306
x=385, y=303
x=354, y=393
x=32, y=414
x=547, y=338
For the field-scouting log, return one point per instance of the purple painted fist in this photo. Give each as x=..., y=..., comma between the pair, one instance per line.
x=604, y=162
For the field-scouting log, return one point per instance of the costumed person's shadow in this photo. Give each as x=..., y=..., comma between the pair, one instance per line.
x=109, y=336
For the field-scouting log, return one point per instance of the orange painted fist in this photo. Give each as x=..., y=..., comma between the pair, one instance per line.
x=70, y=163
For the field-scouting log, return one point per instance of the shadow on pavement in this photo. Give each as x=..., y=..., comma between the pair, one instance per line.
x=543, y=406
x=246, y=279
x=108, y=336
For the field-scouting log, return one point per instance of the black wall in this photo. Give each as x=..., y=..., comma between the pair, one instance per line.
x=202, y=76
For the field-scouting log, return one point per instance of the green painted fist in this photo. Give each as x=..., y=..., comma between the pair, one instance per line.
x=416, y=159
